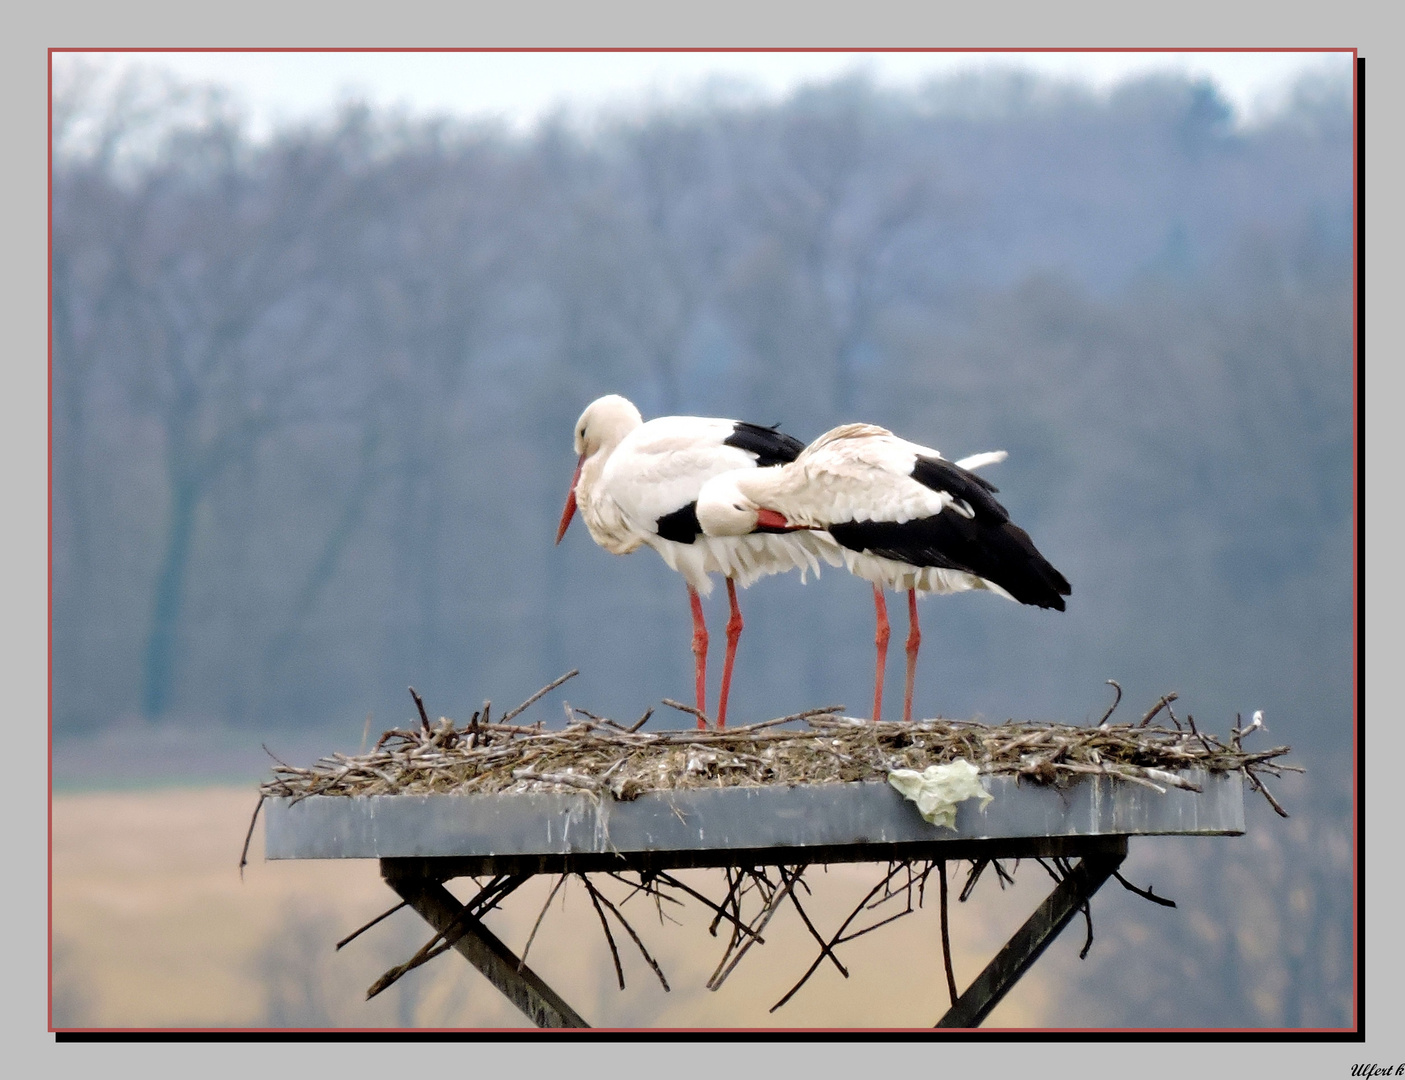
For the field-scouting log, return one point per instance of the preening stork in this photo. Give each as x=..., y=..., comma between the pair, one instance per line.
x=637, y=483
x=905, y=518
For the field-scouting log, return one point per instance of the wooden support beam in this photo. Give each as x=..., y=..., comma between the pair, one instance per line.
x=1030, y=941
x=481, y=948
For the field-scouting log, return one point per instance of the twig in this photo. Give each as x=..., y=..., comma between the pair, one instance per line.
x=569, y=779
x=1196, y=732
x=640, y=722
x=876, y=926
x=827, y=710
x=424, y=956
x=614, y=952
x=835, y=940
x=1112, y=683
x=972, y=876
x=1259, y=786
x=486, y=898
x=244, y=855
x=946, y=932
x=1148, y=893
x=548, y=688
x=825, y=950
x=733, y=881
x=630, y=931
x=357, y=933
x=687, y=709
x=648, y=885
x=419, y=704
x=771, y=908
x=722, y=913
x=522, y=964
x=1165, y=700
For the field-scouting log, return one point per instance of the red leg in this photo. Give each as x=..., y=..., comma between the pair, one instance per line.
x=914, y=639
x=699, y=651
x=734, y=632
x=880, y=639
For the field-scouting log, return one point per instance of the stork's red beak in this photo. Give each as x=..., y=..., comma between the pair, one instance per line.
x=570, y=509
x=770, y=521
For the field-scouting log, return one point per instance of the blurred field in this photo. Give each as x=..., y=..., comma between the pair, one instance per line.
x=152, y=928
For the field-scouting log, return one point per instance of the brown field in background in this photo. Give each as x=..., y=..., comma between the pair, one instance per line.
x=153, y=928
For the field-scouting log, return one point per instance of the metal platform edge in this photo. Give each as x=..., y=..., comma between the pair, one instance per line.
x=863, y=817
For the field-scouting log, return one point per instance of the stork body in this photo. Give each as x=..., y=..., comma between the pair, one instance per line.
x=637, y=484
x=905, y=518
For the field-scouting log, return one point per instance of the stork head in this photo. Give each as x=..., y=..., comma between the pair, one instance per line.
x=601, y=428
x=725, y=509
x=604, y=424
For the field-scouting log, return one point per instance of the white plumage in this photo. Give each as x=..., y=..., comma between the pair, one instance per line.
x=637, y=484
x=905, y=517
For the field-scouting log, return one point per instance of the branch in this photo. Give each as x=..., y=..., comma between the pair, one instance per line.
x=1116, y=701
x=1166, y=700
x=357, y=933
x=722, y=913
x=629, y=930
x=688, y=709
x=614, y=952
x=244, y=855
x=825, y=950
x=946, y=932
x=548, y=688
x=892, y=873
x=1148, y=893
x=771, y=908
x=419, y=704
x=530, y=937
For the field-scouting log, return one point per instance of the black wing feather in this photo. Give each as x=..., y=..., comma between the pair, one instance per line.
x=771, y=447
x=941, y=475
x=681, y=526
x=987, y=544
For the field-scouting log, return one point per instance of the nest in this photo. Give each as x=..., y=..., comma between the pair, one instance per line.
x=606, y=759
x=820, y=746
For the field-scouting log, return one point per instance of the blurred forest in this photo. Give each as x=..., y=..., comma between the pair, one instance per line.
x=312, y=402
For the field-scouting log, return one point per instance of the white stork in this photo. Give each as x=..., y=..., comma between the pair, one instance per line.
x=905, y=517
x=637, y=483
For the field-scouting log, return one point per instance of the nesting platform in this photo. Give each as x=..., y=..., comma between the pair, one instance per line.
x=425, y=840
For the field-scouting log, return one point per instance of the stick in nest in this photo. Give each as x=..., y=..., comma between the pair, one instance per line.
x=548, y=688
x=486, y=899
x=946, y=931
x=244, y=855
x=599, y=898
x=825, y=950
x=1149, y=892
x=419, y=704
x=1110, y=709
x=771, y=908
x=1165, y=700
x=688, y=709
x=522, y=964
x=361, y=930
x=838, y=938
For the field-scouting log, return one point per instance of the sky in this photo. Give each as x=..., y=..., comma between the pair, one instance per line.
x=276, y=88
